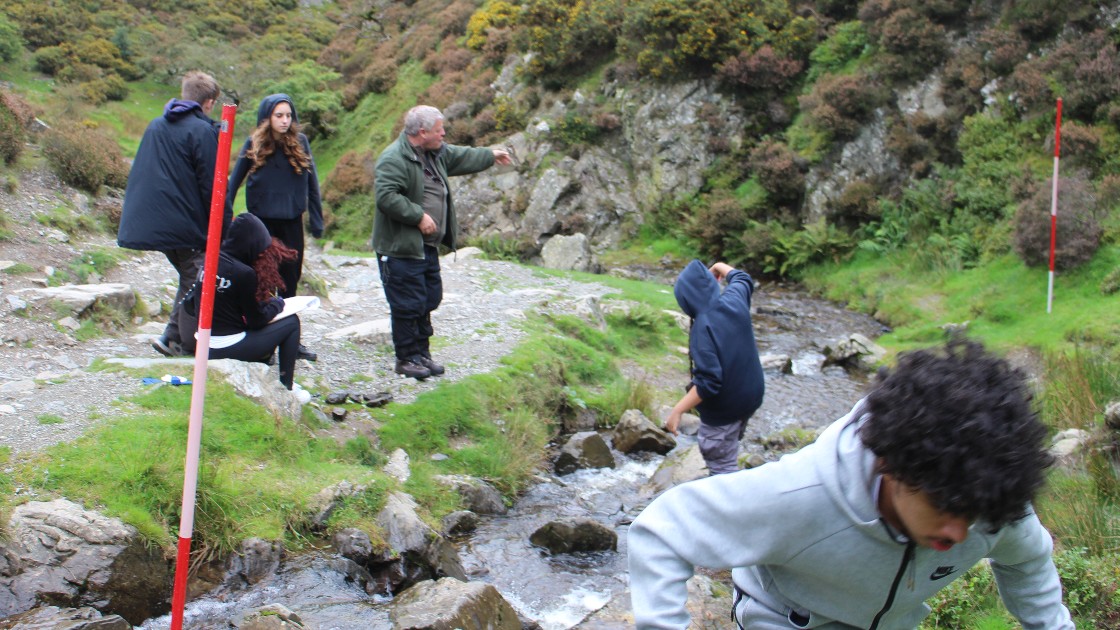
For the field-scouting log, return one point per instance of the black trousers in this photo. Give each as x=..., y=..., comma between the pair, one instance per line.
x=188, y=262
x=258, y=345
x=413, y=289
x=290, y=233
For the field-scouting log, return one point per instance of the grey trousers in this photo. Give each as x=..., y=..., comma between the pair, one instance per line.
x=720, y=445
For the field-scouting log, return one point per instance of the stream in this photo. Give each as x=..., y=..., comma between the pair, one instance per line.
x=561, y=592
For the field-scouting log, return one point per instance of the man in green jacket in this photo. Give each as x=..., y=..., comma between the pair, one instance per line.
x=414, y=216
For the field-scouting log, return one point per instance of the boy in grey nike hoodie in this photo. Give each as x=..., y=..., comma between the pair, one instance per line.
x=934, y=471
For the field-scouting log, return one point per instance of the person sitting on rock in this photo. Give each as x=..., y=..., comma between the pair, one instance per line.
x=246, y=301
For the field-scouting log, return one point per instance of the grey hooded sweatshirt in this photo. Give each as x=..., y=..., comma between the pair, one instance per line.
x=808, y=548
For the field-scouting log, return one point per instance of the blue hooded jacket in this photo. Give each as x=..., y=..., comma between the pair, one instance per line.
x=167, y=199
x=726, y=369
x=275, y=190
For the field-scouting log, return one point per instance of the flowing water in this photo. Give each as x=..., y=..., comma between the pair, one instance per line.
x=560, y=592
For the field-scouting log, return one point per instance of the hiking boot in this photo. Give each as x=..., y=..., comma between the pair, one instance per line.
x=433, y=367
x=304, y=353
x=167, y=348
x=412, y=368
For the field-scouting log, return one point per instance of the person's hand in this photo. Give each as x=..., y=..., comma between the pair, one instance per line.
x=279, y=300
x=720, y=270
x=427, y=225
x=316, y=234
x=501, y=156
x=673, y=422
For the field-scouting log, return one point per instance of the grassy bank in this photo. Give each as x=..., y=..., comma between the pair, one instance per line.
x=258, y=475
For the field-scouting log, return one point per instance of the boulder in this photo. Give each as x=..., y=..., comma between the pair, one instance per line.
x=59, y=553
x=568, y=535
x=270, y=617
x=478, y=496
x=255, y=560
x=1112, y=415
x=853, y=349
x=635, y=433
x=421, y=552
x=459, y=523
x=79, y=298
x=678, y=467
x=55, y=618
x=568, y=253
x=447, y=604
x=584, y=450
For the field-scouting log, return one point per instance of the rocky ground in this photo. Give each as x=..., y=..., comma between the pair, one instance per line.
x=47, y=394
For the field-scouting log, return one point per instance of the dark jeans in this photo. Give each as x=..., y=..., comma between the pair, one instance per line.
x=258, y=345
x=413, y=289
x=290, y=233
x=188, y=262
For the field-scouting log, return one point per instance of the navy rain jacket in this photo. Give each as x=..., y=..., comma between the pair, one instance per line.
x=726, y=370
x=167, y=199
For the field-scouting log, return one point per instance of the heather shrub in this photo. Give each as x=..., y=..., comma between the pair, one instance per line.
x=1002, y=49
x=840, y=104
x=447, y=58
x=11, y=136
x=912, y=44
x=963, y=80
x=378, y=77
x=352, y=174
x=857, y=204
x=779, y=170
x=762, y=72
x=1081, y=146
x=1078, y=233
x=716, y=223
x=84, y=158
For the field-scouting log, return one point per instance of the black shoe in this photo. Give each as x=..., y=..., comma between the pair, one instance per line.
x=167, y=348
x=304, y=353
x=433, y=367
x=411, y=368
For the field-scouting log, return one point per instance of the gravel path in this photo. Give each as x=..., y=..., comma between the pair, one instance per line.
x=48, y=394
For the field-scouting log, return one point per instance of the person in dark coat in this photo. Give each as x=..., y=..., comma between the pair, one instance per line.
x=282, y=184
x=415, y=215
x=167, y=199
x=727, y=381
x=246, y=300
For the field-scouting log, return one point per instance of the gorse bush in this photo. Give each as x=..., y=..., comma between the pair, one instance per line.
x=1078, y=229
x=84, y=158
x=11, y=42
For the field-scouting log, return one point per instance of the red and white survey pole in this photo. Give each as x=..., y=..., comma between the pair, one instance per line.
x=1054, y=205
x=201, y=353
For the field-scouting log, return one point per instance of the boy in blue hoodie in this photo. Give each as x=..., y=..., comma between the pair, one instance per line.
x=727, y=381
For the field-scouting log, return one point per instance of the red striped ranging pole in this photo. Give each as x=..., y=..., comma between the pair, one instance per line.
x=1054, y=206
x=201, y=353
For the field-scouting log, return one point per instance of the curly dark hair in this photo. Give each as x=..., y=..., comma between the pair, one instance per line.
x=267, y=266
x=959, y=426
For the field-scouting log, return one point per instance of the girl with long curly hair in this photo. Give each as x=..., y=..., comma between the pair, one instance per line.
x=246, y=301
x=281, y=184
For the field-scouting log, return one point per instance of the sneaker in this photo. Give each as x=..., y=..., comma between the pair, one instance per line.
x=301, y=394
x=167, y=348
x=413, y=369
x=304, y=353
x=433, y=367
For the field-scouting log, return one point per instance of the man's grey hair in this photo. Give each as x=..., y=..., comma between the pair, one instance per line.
x=421, y=117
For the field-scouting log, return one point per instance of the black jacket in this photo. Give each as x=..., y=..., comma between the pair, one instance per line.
x=275, y=191
x=236, y=308
x=167, y=200
x=726, y=369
